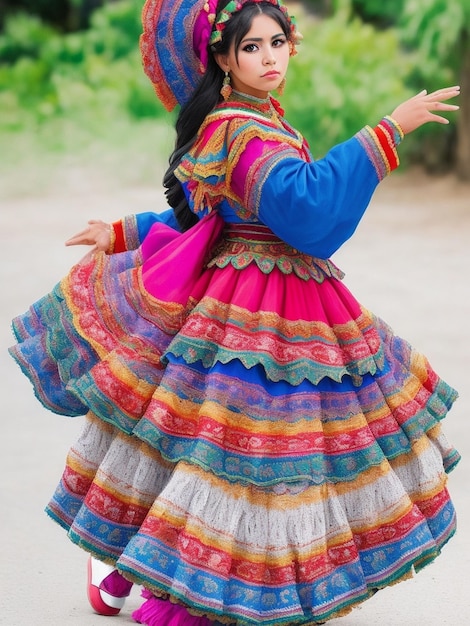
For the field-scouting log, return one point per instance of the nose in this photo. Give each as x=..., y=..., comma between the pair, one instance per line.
x=269, y=58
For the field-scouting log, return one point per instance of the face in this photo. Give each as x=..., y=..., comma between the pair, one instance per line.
x=261, y=61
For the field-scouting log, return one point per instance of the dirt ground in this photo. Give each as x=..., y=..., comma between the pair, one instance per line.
x=409, y=262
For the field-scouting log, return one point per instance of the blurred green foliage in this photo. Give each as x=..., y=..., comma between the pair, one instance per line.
x=66, y=15
x=90, y=75
x=380, y=13
x=438, y=31
x=336, y=83
x=348, y=72
x=346, y=75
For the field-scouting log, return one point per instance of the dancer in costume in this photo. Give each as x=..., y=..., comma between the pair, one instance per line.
x=259, y=448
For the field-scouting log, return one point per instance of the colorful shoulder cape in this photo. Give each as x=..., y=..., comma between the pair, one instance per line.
x=249, y=157
x=238, y=141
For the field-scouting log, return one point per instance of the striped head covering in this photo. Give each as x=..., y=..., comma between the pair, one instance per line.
x=175, y=42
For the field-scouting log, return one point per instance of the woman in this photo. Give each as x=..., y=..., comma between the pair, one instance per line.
x=259, y=447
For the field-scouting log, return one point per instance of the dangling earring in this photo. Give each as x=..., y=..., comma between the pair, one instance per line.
x=226, y=88
x=282, y=85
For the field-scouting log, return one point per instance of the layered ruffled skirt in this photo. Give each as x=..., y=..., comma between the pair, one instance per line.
x=257, y=445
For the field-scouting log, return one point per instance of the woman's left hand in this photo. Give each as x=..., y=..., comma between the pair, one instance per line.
x=424, y=108
x=97, y=234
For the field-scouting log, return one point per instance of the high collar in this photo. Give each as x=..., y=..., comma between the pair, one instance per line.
x=269, y=107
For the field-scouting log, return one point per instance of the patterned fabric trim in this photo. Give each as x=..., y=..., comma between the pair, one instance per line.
x=167, y=51
x=223, y=139
x=259, y=172
x=126, y=235
x=288, y=458
x=380, y=143
x=246, y=244
x=226, y=563
x=112, y=240
x=394, y=126
x=292, y=351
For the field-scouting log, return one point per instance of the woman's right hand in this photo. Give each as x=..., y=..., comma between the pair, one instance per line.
x=418, y=110
x=96, y=234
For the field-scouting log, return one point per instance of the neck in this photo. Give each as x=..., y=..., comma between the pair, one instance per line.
x=268, y=107
x=251, y=98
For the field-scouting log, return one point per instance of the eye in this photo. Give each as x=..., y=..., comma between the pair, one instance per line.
x=277, y=43
x=250, y=47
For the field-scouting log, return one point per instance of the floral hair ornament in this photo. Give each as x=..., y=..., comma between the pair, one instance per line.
x=234, y=6
x=176, y=40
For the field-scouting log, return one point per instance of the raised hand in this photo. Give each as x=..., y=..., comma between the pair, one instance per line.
x=420, y=109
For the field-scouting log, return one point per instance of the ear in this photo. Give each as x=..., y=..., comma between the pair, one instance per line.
x=222, y=62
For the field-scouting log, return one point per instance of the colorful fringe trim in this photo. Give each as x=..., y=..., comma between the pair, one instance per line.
x=157, y=612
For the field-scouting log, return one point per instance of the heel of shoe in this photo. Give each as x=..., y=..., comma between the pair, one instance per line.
x=100, y=600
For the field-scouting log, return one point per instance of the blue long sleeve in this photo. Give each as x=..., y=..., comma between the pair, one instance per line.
x=146, y=220
x=130, y=231
x=316, y=207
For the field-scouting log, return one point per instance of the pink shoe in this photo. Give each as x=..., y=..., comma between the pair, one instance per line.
x=107, y=590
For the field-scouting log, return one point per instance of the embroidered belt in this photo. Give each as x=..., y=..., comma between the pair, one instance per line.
x=243, y=244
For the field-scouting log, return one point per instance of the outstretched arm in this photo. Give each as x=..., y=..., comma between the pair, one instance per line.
x=315, y=207
x=125, y=234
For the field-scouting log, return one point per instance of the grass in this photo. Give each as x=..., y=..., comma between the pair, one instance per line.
x=101, y=154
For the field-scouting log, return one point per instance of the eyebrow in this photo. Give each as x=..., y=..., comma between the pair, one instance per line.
x=258, y=39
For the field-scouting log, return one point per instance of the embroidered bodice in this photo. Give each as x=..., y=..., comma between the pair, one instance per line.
x=251, y=166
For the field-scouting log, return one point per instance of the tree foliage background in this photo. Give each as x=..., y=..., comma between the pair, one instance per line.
x=71, y=75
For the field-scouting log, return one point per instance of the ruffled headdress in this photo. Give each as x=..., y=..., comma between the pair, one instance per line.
x=176, y=40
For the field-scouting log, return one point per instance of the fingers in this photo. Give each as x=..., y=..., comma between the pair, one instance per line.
x=438, y=119
x=447, y=90
x=437, y=101
x=440, y=106
x=426, y=107
x=81, y=233
x=89, y=235
x=440, y=94
x=81, y=238
x=443, y=94
x=75, y=241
